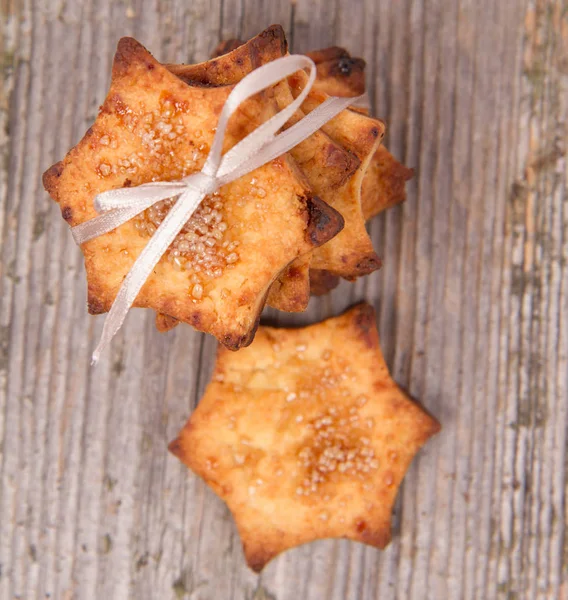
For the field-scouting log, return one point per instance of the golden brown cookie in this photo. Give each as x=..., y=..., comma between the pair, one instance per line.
x=153, y=126
x=305, y=435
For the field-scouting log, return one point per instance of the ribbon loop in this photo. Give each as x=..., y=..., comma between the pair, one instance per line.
x=258, y=148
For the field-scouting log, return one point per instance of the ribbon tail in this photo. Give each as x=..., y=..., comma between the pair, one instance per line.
x=103, y=224
x=310, y=123
x=144, y=265
x=119, y=206
x=147, y=193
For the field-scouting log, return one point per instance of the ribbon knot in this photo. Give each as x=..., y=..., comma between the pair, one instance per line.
x=201, y=183
x=256, y=149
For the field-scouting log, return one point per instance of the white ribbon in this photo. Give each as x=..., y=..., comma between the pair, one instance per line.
x=256, y=149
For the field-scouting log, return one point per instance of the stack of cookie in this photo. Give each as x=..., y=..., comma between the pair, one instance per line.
x=304, y=434
x=158, y=122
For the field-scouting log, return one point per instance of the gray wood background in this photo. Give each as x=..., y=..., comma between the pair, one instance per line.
x=472, y=303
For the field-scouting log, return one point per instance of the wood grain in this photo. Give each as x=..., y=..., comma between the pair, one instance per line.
x=472, y=303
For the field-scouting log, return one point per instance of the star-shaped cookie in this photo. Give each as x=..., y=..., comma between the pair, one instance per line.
x=384, y=185
x=217, y=274
x=305, y=435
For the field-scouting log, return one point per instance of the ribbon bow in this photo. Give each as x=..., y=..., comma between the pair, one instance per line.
x=256, y=149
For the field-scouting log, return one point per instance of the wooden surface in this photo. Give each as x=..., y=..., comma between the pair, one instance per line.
x=472, y=303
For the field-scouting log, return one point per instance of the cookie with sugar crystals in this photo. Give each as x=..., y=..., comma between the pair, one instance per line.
x=217, y=273
x=305, y=435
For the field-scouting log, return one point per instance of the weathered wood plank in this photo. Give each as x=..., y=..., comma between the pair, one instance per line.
x=472, y=303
